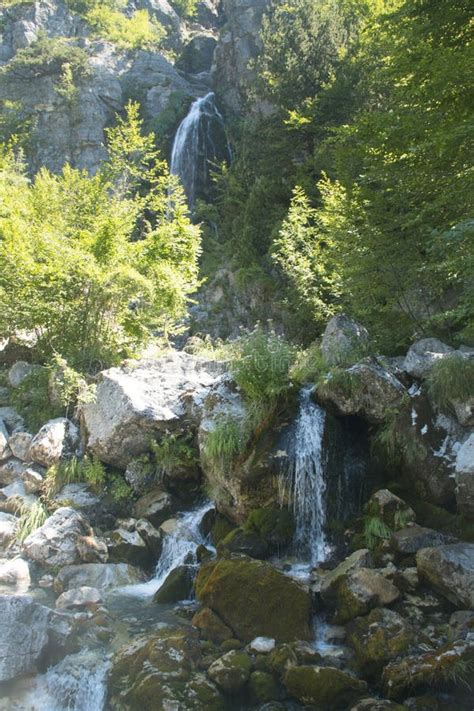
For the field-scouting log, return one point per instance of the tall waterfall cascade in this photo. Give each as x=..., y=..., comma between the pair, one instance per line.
x=199, y=142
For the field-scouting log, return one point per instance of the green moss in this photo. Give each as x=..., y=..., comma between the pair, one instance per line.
x=221, y=528
x=276, y=526
x=325, y=687
x=263, y=687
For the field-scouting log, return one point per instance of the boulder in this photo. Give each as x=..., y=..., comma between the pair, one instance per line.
x=450, y=571
x=138, y=402
x=10, y=470
x=464, y=474
x=357, y=592
x=13, y=421
x=140, y=475
x=274, y=526
x=4, y=447
x=128, y=547
x=177, y=586
x=231, y=672
x=60, y=540
x=79, y=496
x=19, y=444
x=211, y=626
x=411, y=539
x=15, y=573
x=152, y=536
x=390, y=509
x=263, y=688
x=20, y=371
x=14, y=498
x=359, y=559
x=324, y=687
x=77, y=598
x=344, y=340
x=33, y=478
x=8, y=524
x=157, y=506
x=254, y=599
x=371, y=704
x=367, y=390
x=423, y=354
x=262, y=645
x=103, y=576
x=24, y=625
x=378, y=638
x=56, y=440
x=239, y=541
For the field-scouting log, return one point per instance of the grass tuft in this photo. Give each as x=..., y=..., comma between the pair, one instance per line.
x=31, y=518
x=451, y=378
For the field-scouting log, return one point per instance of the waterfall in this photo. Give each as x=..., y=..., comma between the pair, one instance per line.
x=200, y=140
x=305, y=481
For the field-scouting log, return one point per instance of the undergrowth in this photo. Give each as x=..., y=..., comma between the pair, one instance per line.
x=451, y=378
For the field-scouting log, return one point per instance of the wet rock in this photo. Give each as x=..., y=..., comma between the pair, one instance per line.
x=378, y=638
x=8, y=524
x=450, y=571
x=24, y=625
x=60, y=540
x=343, y=339
x=152, y=536
x=177, y=586
x=77, y=598
x=169, y=527
x=20, y=371
x=392, y=510
x=239, y=541
x=411, y=539
x=366, y=389
x=325, y=687
x=231, y=672
x=359, y=559
x=57, y=439
x=19, y=444
x=274, y=526
x=255, y=600
x=203, y=554
x=15, y=573
x=378, y=705
x=128, y=547
x=135, y=403
x=156, y=507
x=357, y=592
x=104, y=576
x=464, y=474
x=211, y=626
x=423, y=354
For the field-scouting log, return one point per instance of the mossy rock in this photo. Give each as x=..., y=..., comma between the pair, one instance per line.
x=326, y=687
x=255, y=600
x=275, y=526
x=211, y=626
x=239, y=541
x=231, y=672
x=282, y=658
x=220, y=529
x=263, y=688
x=177, y=586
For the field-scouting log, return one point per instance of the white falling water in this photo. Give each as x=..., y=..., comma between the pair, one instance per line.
x=190, y=142
x=305, y=481
x=179, y=547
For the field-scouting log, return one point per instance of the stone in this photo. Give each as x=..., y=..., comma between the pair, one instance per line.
x=13, y=421
x=14, y=499
x=103, y=576
x=156, y=507
x=128, y=547
x=136, y=403
x=461, y=624
x=411, y=539
x=254, y=599
x=423, y=354
x=378, y=638
x=169, y=527
x=140, y=475
x=231, y=672
x=263, y=687
x=177, y=586
x=10, y=470
x=464, y=475
x=325, y=687
x=33, y=479
x=343, y=340
x=357, y=592
x=91, y=549
x=152, y=536
x=392, y=510
x=262, y=645
x=58, y=541
x=366, y=389
x=274, y=526
x=19, y=444
x=24, y=625
x=8, y=525
x=20, y=371
x=211, y=626
x=238, y=541
x=372, y=704
x=15, y=573
x=79, y=496
x=4, y=446
x=56, y=440
x=450, y=571
x=78, y=598
x=361, y=558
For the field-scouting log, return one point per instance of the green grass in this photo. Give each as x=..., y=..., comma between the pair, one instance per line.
x=31, y=518
x=375, y=531
x=62, y=474
x=224, y=443
x=397, y=443
x=451, y=378
x=309, y=366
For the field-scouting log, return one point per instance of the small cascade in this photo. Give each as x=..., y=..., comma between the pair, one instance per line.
x=305, y=482
x=179, y=547
x=199, y=141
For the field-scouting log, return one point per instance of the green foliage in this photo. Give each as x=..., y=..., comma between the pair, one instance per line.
x=174, y=451
x=185, y=8
x=93, y=263
x=47, y=56
x=375, y=531
x=31, y=518
x=451, y=378
x=395, y=440
x=119, y=490
x=93, y=473
x=164, y=125
x=31, y=399
x=345, y=381
x=309, y=365
x=16, y=123
x=224, y=443
x=69, y=386
x=59, y=475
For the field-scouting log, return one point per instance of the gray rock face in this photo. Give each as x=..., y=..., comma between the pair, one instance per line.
x=8, y=524
x=450, y=570
x=423, y=354
x=156, y=507
x=357, y=592
x=57, y=439
x=19, y=444
x=79, y=598
x=24, y=626
x=64, y=539
x=19, y=371
x=464, y=473
x=411, y=539
x=14, y=498
x=15, y=573
x=343, y=339
x=128, y=546
x=103, y=576
x=4, y=448
x=136, y=403
x=10, y=470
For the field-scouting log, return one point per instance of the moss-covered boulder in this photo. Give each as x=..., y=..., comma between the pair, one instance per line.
x=325, y=687
x=211, y=626
x=239, y=541
x=378, y=638
x=177, y=586
x=263, y=688
x=390, y=509
x=275, y=526
x=255, y=600
x=231, y=672
x=220, y=528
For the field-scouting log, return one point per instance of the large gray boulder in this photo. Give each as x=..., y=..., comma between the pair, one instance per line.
x=423, y=354
x=15, y=573
x=411, y=539
x=344, y=339
x=19, y=372
x=64, y=539
x=103, y=576
x=57, y=439
x=464, y=474
x=450, y=570
x=139, y=402
x=24, y=625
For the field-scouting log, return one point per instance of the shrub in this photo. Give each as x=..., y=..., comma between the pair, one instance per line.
x=396, y=441
x=139, y=31
x=118, y=488
x=451, y=378
x=31, y=518
x=174, y=451
x=185, y=8
x=47, y=56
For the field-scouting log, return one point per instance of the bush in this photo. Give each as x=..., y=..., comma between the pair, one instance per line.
x=93, y=473
x=47, y=56
x=139, y=31
x=31, y=399
x=451, y=378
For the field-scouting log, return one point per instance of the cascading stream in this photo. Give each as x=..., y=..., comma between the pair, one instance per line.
x=196, y=145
